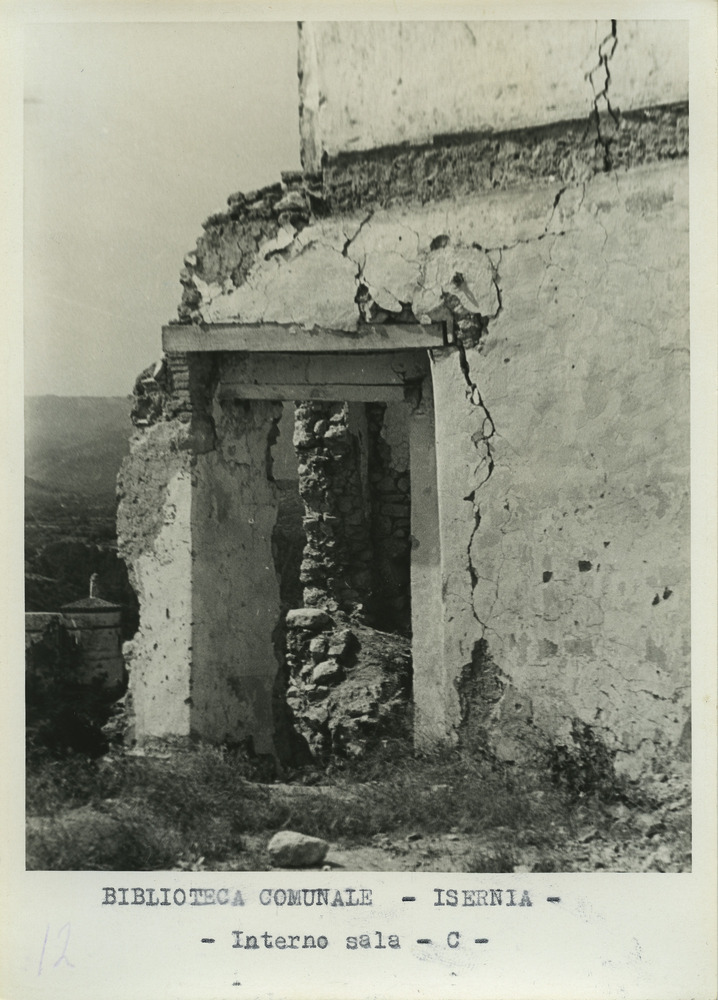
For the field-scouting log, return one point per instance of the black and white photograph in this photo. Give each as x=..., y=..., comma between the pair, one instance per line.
x=358, y=478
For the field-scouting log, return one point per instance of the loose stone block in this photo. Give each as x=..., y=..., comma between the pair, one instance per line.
x=288, y=849
x=312, y=619
x=326, y=672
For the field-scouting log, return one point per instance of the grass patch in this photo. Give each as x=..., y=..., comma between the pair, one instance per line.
x=197, y=806
x=435, y=792
x=88, y=840
x=125, y=812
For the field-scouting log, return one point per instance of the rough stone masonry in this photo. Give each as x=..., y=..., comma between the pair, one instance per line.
x=540, y=218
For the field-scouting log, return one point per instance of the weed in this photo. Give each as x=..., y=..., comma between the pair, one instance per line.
x=65, y=782
x=584, y=767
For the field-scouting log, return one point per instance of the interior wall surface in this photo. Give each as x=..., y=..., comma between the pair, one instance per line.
x=564, y=477
x=420, y=80
x=235, y=586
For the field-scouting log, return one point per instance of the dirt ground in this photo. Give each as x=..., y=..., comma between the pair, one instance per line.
x=624, y=840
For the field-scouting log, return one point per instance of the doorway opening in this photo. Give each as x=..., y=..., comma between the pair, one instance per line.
x=343, y=535
x=341, y=549
x=355, y=553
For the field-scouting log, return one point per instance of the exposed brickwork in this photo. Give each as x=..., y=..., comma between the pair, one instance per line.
x=179, y=388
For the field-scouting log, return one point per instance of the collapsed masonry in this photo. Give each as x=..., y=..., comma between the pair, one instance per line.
x=483, y=322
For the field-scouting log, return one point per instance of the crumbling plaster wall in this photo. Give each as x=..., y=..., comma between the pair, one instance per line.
x=154, y=529
x=562, y=470
x=557, y=254
x=578, y=575
x=198, y=506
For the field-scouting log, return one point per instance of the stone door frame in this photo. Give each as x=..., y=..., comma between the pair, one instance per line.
x=379, y=364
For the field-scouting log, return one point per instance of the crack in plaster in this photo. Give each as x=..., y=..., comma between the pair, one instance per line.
x=653, y=694
x=559, y=194
x=359, y=276
x=606, y=50
x=528, y=239
x=473, y=392
x=488, y=428
x=476, y=399
x=473, y=572
x=350, y=239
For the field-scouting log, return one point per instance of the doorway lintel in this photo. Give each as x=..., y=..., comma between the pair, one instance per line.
x=293, y=338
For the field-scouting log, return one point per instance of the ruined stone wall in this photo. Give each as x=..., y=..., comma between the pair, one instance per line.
x=555, y=250
x=570, y=303
x=355, y=489
x=336, y=569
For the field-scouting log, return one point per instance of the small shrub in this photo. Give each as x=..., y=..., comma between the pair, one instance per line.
x=585, y=767
x=62, y=714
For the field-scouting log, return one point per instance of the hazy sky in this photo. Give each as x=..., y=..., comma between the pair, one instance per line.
x=134, y=134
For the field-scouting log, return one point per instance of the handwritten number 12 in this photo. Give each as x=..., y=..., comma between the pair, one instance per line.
x=64, y=930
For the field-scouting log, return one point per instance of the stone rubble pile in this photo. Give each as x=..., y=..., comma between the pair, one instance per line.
x=349, y=684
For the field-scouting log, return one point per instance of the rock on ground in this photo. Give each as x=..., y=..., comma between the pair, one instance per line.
x=289, y=849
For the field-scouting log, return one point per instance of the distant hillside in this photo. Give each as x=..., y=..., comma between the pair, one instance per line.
x=75, y=443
